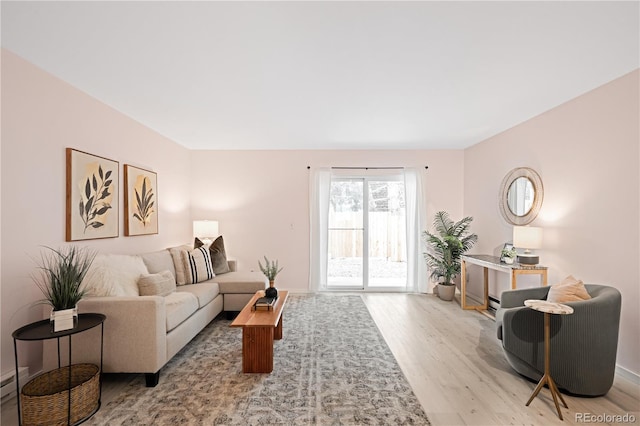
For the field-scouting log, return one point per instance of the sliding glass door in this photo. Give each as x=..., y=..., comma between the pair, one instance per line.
x=367, y=234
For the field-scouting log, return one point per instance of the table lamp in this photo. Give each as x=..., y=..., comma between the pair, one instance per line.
x=527, y=238
x=206, y=230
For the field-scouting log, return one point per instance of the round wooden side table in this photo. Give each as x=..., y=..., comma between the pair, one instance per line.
x=548, y=308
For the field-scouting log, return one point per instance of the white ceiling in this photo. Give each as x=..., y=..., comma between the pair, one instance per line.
x=328, y=75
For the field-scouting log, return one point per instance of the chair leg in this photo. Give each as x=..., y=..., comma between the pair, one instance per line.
x=152, y=379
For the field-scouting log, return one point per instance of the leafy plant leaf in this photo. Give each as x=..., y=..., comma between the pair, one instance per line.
x=102, y=210
x=144, y=203
x=96, y=191
x=89, y=205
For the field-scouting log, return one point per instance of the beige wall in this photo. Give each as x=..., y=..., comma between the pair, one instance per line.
x=586, y=152
x=41, y=116
x=261, y=198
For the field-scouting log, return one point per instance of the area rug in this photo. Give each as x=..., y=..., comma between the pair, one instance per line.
x=332, y=367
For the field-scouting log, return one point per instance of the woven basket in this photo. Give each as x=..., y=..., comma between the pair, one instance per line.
x=45, y=399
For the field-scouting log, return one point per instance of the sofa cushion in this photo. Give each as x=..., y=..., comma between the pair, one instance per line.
x=159, y=261
x=568, y=290
x=179, y=306
x=205, y=292
x=241, y=282
x=217, y=253
x=114, y=275
x=160, y=284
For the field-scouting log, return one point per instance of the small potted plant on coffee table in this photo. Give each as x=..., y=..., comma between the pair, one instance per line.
x=270, y=270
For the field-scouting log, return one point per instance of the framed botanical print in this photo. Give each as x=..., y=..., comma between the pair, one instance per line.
x=92, y=196
x=140, y=201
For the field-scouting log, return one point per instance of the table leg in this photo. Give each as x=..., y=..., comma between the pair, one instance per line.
x=463, y=284
x=277, y=332
x=485, y=304
x=463, y=289
x=15, y=354
x=257, y=349
x=546, y=377
x=69, y=388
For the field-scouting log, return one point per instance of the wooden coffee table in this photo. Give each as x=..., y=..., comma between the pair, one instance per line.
x=259, y=329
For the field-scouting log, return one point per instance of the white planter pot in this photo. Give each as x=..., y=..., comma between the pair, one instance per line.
x=508, y=260
x=446, y=292
x=64, y=319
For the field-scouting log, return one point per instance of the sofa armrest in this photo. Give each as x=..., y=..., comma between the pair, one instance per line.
x=134, y=334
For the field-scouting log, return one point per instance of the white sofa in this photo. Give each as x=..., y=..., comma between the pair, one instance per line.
x=142, y=333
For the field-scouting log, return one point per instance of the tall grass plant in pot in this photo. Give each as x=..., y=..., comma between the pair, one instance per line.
x=59, y=277
x=449, y=241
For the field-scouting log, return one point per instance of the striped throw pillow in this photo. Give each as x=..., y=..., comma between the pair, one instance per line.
x=197, y=265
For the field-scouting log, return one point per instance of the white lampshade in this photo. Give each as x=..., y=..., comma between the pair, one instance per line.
x=205, y=229
x=527, y=237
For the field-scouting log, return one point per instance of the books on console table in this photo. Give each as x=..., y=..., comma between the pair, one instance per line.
x=265, y=303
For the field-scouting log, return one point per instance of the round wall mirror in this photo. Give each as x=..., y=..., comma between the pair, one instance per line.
x=521, y=196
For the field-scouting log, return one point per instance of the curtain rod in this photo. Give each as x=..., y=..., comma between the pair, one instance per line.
x=367, y=168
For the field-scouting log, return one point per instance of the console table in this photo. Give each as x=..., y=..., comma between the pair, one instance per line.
x=493, y=263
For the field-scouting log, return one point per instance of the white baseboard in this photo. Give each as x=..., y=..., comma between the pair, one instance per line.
x=628, y=374
x=10, y=391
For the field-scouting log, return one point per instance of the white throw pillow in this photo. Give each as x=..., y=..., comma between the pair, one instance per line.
x=160, y=284
x=114, y=275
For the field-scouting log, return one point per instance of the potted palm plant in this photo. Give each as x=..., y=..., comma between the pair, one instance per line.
x=444, y=248
x=60, y=276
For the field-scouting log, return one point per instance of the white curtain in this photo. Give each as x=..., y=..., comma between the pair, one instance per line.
x=319, y=187
x=414, y=196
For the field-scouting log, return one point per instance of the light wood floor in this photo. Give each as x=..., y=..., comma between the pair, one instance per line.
x=456, y=368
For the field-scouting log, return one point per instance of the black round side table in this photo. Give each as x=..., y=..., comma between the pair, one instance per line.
x=42, y=330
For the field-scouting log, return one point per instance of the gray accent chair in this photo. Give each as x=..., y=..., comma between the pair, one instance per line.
x=583, y=344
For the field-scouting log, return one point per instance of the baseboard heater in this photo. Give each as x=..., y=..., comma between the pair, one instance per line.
x=8, y=382
x=494, y=304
